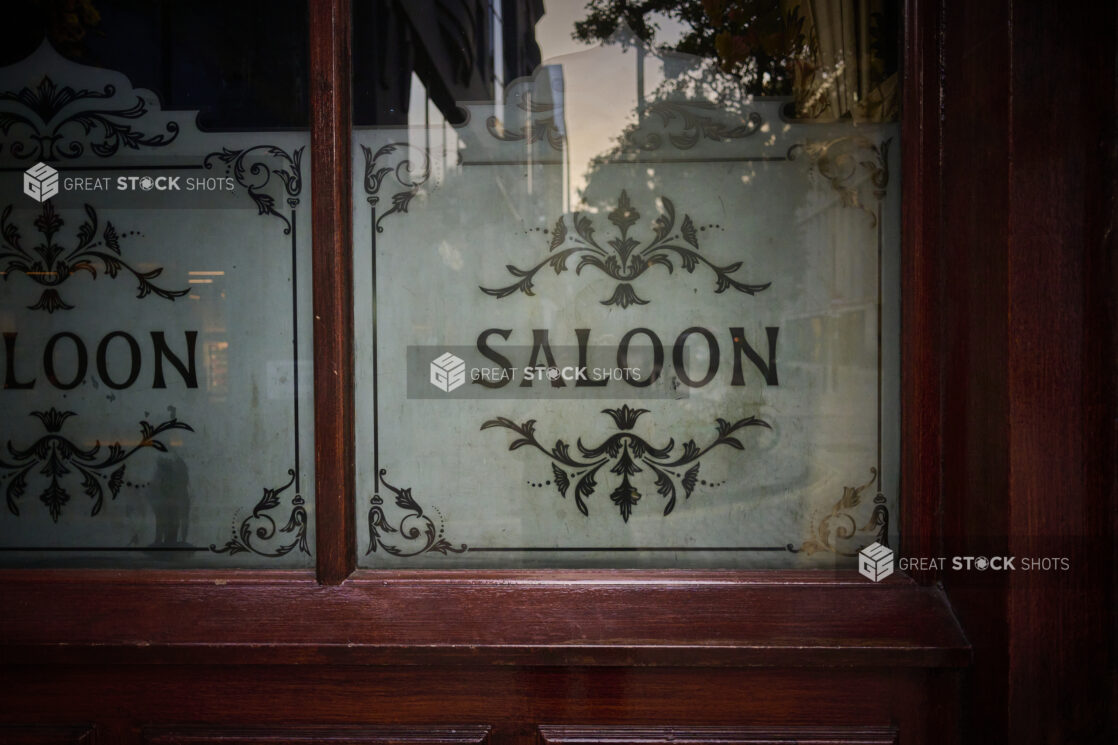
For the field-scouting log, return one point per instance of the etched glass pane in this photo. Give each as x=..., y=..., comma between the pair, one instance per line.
x=639, y=308
x=155, y=308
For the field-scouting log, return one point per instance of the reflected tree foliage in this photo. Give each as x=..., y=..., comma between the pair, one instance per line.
x=832, y=60
x=835, y=58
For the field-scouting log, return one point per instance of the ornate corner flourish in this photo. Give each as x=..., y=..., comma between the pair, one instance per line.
x=625, y=263
x=544, y=128
x=841, y=525
x=56, y=137
x=57, y=456
x=625, y=450
x=255, y=175
x=49, y=264
x=840, y=160
x=260, y=528
x=408, y=174
x=412, y=526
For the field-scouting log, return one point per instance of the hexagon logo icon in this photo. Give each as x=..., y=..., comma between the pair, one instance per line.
x=448, y=372
x=40, y=182
x=875, y=562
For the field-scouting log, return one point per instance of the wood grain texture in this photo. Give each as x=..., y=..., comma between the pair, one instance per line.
x=1028, y=211
x=468, y=734
x=332, y=230
x=922, y=342
x=1062, y=122
x=409, y=618
x=512, y=701
x=605, y=735
x=47, y=735
x=975, y=215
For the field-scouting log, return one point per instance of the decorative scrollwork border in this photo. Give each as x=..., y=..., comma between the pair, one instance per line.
x=841, y=525
x=255, y=175
x=414, y=525
x=409, y=167
x=535, y=130
x=411, y=176
x=257, y=533
x=54, y=455
x=832, y=159
x=58, y=138
x=842, y=160
x=624, y=452
x=626, y=260
x=50, y=265
x=262, y=526
x=51, y=121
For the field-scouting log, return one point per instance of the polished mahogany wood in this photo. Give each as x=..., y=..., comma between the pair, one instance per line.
x=922, y=341
x=332, y=230
x=613, y=735
x=511, y=700
x=1028, y=180
x=481, y=618
x=1060, y=237
x=975, y=178
x=46, y=735
x=468, y=734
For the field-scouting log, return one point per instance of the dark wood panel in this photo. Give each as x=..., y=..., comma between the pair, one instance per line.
x=1062, y=128
x=1028, y=179
x=604, y=735
x=593, y=617
x=47, y=735
x=391, y=735
x=511, y=700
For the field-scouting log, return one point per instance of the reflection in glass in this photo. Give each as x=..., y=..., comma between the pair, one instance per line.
x=155, y=249
x=708, y=188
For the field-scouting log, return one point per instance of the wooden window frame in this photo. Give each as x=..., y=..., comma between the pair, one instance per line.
x=340, y=615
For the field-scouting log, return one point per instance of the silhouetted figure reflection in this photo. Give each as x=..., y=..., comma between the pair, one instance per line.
x=169, y=496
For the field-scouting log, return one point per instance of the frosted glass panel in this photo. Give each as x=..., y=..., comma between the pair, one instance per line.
x=623, y=318
x=155, y=315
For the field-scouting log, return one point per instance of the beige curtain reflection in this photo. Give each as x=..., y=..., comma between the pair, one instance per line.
x=842, y=76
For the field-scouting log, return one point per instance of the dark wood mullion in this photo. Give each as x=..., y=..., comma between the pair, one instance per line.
x=921, y=288
x=332, y=228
